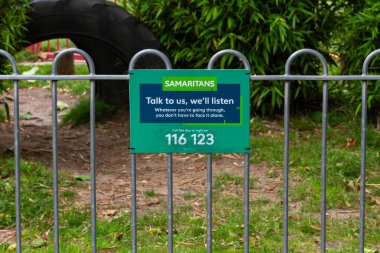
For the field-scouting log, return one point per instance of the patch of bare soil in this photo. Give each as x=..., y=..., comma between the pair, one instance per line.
x=7, y=235
x=113, y=159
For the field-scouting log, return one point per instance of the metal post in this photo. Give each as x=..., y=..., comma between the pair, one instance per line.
x=209, y=203
x=246, y=204
x=363, y=164
x=323, y=167
x=168, y=65
x=91, y=67
x=93, y=172
x=134, y=206
x=324, y=146
x=16, y=137
x=55, y=167
x=286, y=166
x=210, y=65
x=170, y=203
x=17, y=163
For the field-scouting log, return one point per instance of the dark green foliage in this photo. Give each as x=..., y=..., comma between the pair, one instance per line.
x=12, y=20
x=360, y=24
x=361, y=21
x=80, y=114
x=267, y=32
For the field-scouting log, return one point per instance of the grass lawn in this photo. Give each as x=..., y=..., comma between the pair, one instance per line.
x=190, y=226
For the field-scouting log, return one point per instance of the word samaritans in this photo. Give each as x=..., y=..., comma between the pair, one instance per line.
x=190, y=83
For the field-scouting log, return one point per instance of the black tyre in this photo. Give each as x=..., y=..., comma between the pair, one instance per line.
x=109, y=34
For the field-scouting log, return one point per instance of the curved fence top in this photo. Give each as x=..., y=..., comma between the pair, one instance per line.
x=11, y=59
x=219, y=54
x=158, y=53
x=368, y=60
x=85, y=55
x=306, y=51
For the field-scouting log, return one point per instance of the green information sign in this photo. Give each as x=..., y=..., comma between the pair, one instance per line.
x=189, y=111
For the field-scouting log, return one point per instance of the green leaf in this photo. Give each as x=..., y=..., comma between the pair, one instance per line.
x=366, y=250
x=38, y=243
x=309, y=229
x=82, y=178
x=62, y=106
x=26, y=116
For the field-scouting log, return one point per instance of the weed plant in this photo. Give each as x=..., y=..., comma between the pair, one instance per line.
x=80, y=113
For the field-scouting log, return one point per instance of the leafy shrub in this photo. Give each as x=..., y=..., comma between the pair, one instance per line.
x=80, y=114
x=12, y=20
x=361, y=22
x=266, y=32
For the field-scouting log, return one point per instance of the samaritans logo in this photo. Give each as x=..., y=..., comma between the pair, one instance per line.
x=189, y=83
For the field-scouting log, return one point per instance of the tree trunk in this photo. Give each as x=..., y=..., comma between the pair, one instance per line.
x=66, y=65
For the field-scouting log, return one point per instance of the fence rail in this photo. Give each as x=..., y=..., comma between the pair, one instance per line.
x=287, y=77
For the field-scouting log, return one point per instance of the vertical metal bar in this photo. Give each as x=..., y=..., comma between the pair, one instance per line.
x=363, y=166
x=209, y=203
x=93, y=172
x=170, y=203
x=55, y=167
x=323, y=172
x=210, y=65
x=286, y=166
x=16, y=140
x=17, y=163
x=55, y=154
x=134, y=216
x=246, y=204
x=286, y=146
x=168, y=65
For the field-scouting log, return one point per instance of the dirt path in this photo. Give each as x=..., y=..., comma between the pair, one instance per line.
x=113, y=160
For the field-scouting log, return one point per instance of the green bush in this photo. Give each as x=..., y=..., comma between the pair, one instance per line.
x=12, y=20
x=266, y=32
x=361, y=22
